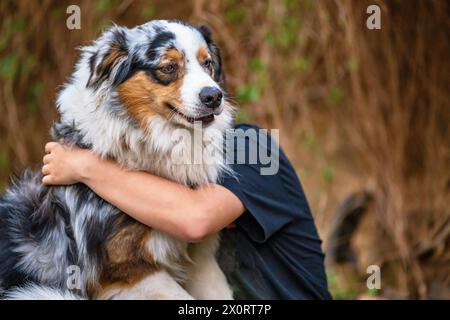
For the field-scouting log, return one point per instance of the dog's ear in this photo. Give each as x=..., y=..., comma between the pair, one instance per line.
x=219, y=75
x=111, y=60
x=205, y=31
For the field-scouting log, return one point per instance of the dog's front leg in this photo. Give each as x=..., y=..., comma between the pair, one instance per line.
x=156, y=286
x=205, y=279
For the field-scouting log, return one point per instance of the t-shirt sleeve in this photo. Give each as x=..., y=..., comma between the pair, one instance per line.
x=271, y=199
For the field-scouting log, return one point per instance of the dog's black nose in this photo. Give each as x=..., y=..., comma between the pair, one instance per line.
x=211, y=97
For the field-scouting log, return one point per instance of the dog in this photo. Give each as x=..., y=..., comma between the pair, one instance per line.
x=131, y=90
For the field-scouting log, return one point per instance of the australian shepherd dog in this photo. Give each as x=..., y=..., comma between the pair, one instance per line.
x=131, y=90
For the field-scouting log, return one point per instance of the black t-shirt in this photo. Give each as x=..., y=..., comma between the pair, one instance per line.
x=274, y=252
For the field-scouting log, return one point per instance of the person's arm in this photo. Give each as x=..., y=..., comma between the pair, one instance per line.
x=188, y=214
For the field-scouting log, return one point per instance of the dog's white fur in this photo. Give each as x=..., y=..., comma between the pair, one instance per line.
x=152, y=149
x=38, y=292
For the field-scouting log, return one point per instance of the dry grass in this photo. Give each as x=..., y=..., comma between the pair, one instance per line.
x=357, y=109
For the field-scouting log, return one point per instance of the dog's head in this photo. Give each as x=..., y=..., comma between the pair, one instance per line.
x=166, y=68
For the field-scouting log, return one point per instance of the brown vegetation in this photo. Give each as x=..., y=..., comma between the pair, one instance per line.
x=357, y=109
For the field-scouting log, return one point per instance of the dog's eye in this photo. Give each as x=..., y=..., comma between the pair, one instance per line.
x=207, y=63
x=169, y=68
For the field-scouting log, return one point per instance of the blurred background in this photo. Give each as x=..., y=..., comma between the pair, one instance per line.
x=363, y=114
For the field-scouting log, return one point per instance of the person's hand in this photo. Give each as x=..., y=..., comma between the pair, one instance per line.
x=65, y=165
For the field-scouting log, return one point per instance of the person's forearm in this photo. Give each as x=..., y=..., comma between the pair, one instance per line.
x=160, y=203
x=154, y=201
x=189, y=214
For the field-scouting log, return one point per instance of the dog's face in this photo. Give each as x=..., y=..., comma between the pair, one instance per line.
x=164, y=68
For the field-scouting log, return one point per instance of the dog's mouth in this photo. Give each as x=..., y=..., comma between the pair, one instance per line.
x=203, y=119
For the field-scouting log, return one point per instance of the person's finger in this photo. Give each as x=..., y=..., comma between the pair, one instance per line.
x=47, y=158
x=50, y=146
x=45, y=169
x=47, y=179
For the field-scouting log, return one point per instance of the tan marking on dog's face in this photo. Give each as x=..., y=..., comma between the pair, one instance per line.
x=171, y=58
x=202, y=54
x=173, y=55
x=137, y=96
x=143, y=97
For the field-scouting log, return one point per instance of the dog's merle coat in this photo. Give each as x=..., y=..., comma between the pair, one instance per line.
x=44, y=230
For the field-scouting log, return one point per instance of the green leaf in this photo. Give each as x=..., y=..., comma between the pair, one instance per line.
x=285, y=38
x=3, y=43
x=4, y=161
x=8, y=67
x=328, y=174
x=59, y=12
x=149, y=12
x=36, y=89
x=311, y=141
x=291, y=4
x=353, y=65
x=103, y=6
x=242, y=116
x=28, y=65
x=336, y=95
x=288, y=33
x=270, y=38
x=256, y=64
x=234, y=15
x=373, y=292
x=33, y=93
x=18, y=24
x=303, y=173
x=32, y=107
x=248, y=93
x=341, y=294
x=11, y=26
x=302, y=64
x=331, y=278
